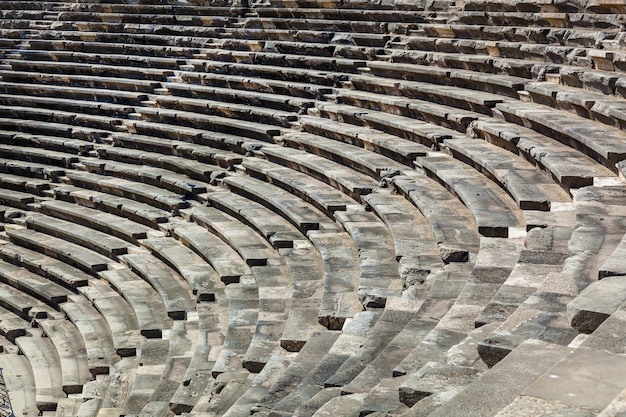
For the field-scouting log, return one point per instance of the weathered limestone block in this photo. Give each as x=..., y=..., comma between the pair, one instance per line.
x=596, y=303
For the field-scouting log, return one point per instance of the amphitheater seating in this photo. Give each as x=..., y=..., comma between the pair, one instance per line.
x=312, y=207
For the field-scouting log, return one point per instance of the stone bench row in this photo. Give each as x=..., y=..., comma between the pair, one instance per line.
x=147, y=305
x=210, y=122
x=593, y=105
x=179, y=175
x=70, y=68
x=275, y=101
x=573, y=55
x=59, y=119
x=118, y=7
x=77, y=93
x=54, y=129
x=255, y=85
x=548, y=359
x=129, y=208
x=604, y=150
x=291, y=209
x=81, y=81
x=44, y=141
x=475, y=205
x=378, y=13
x=197, y=143
x=147, y=194
x=560, y=287
x=164, y=19
x=585, y=37
x=250, y=113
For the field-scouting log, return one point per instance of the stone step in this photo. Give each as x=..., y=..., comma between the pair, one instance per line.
x=225, y=260
x=175, y=293
x=20, y=383
x=254, y=249
x=340, y=300
x=203, y=280
x=323, y=196
x=75, y=368
x=47, y=370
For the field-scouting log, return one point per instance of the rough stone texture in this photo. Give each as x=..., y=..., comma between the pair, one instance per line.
x=596, y=303
x=313, y=207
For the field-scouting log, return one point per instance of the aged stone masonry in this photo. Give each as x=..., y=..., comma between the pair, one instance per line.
x=313, y=208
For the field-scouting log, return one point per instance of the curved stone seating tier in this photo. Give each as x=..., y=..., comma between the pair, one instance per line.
x=369, y=163
x=102, y=243
x=86, y=69
x=44, y=265
x=455, y=230
x=133, y=168
x=25, y=104
x=379, y=278
x=494, y=212
x=461, y=98
x=71, y=350
x=236, y=111
x=549, y=52
x=197, y=377
x=306, y=270
x=391, y=146
x=81, y=81
x=150, y=136
x=544, y=254
x=360, y=107
x=202, y=279
x=602, y=143
x=172, y=288
x=74, y=93
x=26, y=307
x=150, y=310
x=275, y=101
x=16, y=199
x=210, y=122
x=54, y=129
x=150, y=195
x=506, y=85
x=312, y=207
x=30, y=283
x=272, y=226
x=243, y=316
x=546, y=307
x=319, y=77
x=569, y=167
x=46, y=365
x=588, y=104
x=275, y=300
x=95, y=219
x=293, y=209
x=46, y=142
x=323, y=196
x=35, y=155
x=20, y=381
x=69, y=44
x=119, y=316
x=343, y=178
x=340, y=299
x=95, y=333
x=73, y=254
x=578, y=36
x=293, y=89
x=110, y=203
x=225, y=260
x=415, y=130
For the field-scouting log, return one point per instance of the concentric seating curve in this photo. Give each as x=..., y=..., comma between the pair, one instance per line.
x=312, y=207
